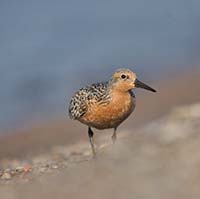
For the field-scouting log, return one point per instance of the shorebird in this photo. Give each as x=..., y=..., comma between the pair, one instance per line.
x=107, y=104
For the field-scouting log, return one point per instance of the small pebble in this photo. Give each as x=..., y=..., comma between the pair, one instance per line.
x=6, y=176
x=54, y=166
x=27, y=168
x=19, y=169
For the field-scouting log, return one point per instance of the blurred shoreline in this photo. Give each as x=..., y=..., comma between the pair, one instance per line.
x=39, y=137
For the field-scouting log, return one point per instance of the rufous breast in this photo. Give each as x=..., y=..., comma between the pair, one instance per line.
x=110, y=114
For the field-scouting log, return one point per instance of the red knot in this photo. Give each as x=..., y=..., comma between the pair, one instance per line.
x=107, y=104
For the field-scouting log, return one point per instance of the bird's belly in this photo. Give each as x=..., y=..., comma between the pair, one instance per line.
x=108, y=116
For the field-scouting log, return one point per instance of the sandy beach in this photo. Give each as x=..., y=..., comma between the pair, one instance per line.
x=156, y=155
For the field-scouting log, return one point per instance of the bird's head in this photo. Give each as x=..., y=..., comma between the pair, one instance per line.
x=124, y=80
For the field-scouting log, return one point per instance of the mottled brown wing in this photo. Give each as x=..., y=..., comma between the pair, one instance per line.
x=78, y=105
x=96, y=93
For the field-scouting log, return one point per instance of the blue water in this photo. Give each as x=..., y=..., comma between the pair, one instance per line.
x=50, y=48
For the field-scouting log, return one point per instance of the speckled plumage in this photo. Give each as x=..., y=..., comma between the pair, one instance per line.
x=83, y=98
x=107, y=104
x=86, y=102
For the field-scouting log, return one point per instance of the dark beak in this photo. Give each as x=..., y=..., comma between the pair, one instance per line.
x=140, y=84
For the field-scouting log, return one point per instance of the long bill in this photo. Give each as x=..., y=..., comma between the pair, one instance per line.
x=139, y=84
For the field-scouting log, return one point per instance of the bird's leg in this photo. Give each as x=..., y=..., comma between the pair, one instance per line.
x=114, y=136
x=90, y=134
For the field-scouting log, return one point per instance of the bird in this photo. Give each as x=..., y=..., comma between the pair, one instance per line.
x=105, y=105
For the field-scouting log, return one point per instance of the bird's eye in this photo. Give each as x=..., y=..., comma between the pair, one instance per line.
x=123, y=76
